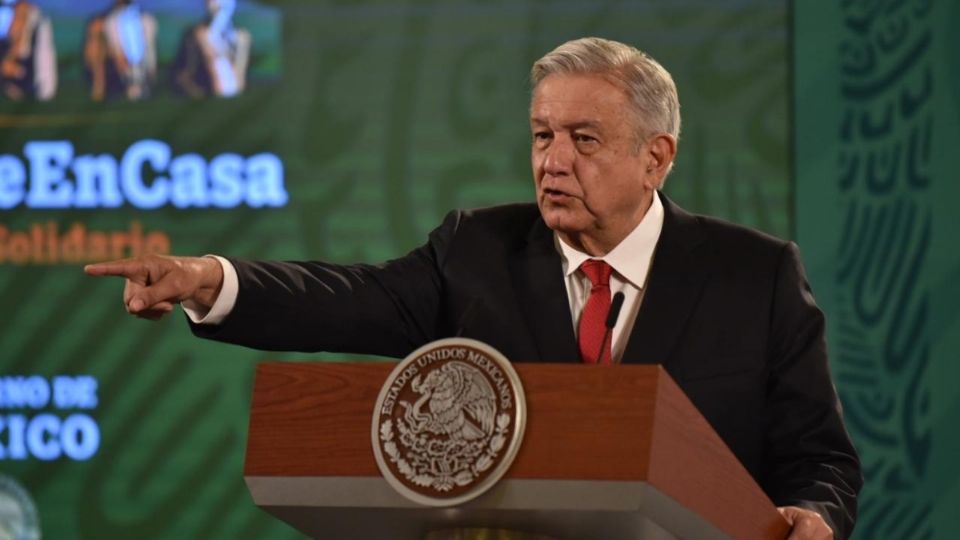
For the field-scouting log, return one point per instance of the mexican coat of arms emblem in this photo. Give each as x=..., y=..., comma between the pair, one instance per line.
x=448, y=422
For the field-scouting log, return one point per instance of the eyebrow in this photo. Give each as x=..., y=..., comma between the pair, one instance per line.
x=571, y=125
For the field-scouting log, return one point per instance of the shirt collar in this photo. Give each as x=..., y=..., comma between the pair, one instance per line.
x=630, y=258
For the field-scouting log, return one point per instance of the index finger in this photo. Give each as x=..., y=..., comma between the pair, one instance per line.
x=128, y=268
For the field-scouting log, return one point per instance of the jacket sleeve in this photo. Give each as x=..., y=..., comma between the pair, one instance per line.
x=810, y=461
x=388, y=309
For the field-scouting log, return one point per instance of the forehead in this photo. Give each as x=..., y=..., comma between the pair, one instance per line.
x=578, y=98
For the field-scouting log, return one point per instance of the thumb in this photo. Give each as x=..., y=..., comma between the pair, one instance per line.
x=137, y=303
x=163, y=292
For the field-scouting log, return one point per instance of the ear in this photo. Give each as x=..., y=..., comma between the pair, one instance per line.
x=661, y=149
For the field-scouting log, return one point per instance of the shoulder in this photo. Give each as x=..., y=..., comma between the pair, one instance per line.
x=195, y=33
x=27, y=10
x=732, y=236
x=492, y=229
x=149, y=23
x=503, y=220
x=507, y=217
x=95, y=23
x=722, y=245
x=716, y=232
x=243, y=37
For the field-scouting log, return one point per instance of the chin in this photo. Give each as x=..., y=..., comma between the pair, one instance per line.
x=561, y=221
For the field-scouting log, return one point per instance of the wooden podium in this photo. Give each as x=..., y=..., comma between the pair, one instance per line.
x=611, y=453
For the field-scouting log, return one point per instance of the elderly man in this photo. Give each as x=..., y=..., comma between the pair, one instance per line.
x=726, y=310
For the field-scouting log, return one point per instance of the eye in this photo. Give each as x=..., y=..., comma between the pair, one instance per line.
x=541, y=137
x=583, y=138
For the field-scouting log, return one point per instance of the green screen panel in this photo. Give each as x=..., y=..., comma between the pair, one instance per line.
x=876, y=123
x=383, y=116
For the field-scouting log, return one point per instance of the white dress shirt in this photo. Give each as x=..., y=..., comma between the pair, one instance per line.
x=224, y=302
x=630, y=260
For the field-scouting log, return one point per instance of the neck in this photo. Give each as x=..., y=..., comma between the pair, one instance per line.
x=589, y=244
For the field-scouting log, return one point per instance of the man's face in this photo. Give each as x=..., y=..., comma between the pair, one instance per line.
x=590, y=171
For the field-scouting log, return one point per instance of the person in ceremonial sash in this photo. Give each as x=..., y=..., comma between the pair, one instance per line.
x=213, y=55
x=120, y=52
x=28, y=58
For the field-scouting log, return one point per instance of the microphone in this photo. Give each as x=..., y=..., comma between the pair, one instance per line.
x=615, y=305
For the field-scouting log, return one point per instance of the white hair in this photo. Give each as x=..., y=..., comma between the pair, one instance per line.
x=648, y=86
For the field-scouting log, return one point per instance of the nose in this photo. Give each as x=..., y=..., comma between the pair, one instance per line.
x=558, y=157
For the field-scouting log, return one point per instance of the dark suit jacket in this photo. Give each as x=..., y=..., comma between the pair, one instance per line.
x=727, y=311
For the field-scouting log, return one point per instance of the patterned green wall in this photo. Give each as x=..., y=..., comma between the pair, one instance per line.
x=386, y=115
x=877, y=124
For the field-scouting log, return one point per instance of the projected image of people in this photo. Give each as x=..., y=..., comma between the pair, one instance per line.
x=28, y=58
x=213, y=55
x=120, y=52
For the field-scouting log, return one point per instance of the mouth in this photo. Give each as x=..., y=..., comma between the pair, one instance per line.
x=555, y=195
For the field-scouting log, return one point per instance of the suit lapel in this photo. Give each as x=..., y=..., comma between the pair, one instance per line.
x=538, y=281
x=673, y=289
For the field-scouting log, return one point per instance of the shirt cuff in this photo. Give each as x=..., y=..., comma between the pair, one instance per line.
x=224, y=302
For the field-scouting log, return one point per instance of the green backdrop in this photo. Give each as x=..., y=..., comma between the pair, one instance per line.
x=387, y=114
x=877, y=124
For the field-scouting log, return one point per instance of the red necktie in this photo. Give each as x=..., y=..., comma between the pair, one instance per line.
x=593, y=328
